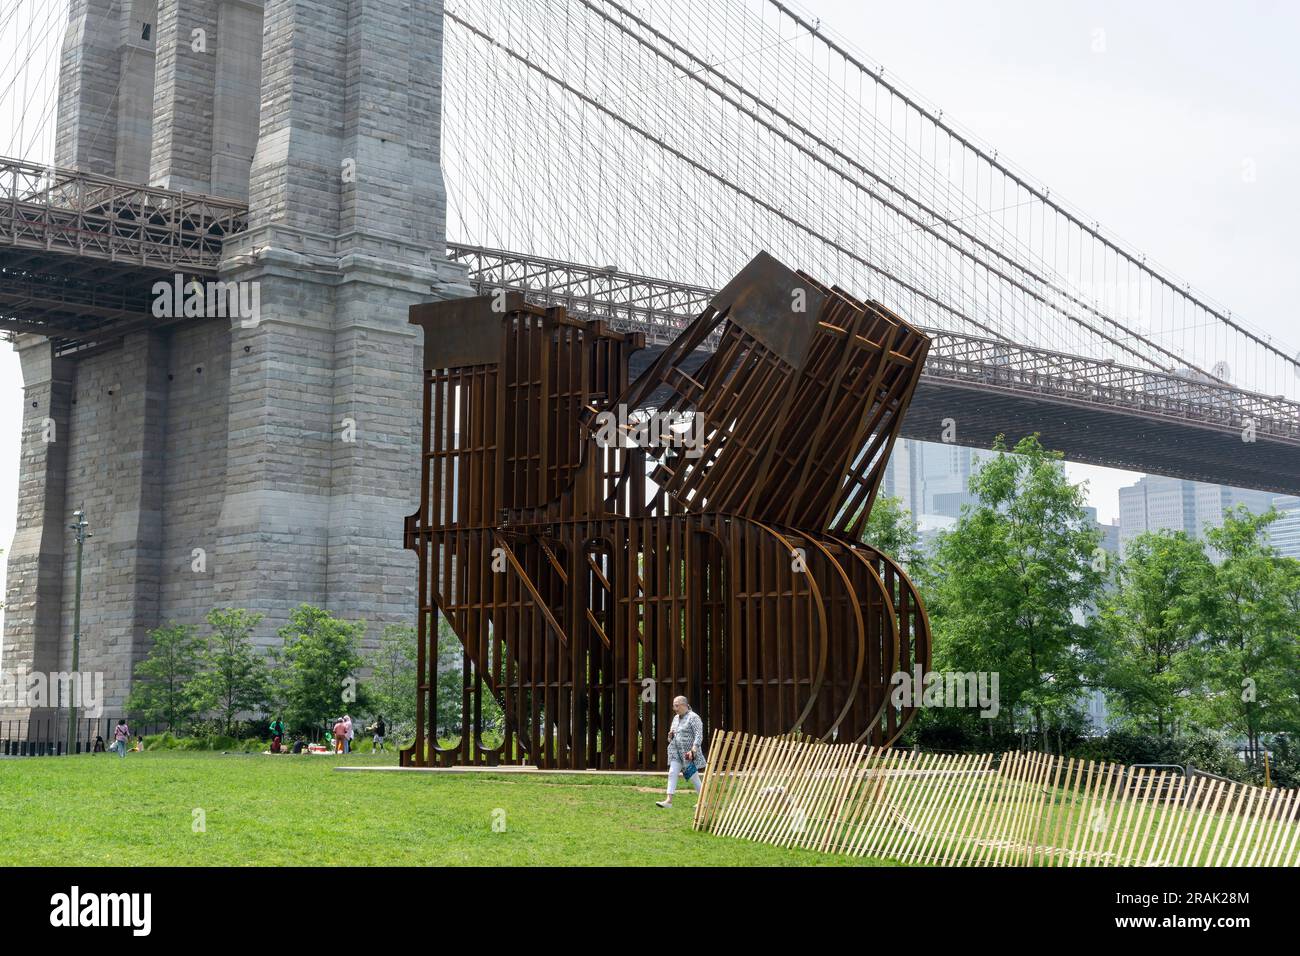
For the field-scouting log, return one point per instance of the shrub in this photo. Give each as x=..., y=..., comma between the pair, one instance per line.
x=1200, y=749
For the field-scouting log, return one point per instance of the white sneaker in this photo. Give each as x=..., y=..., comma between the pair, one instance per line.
x=666, y=804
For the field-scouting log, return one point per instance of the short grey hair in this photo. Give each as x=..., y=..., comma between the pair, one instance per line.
x=682, y=699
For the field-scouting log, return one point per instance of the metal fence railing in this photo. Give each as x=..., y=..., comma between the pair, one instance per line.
x=48, y=736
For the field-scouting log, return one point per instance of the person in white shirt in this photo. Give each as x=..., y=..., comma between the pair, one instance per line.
x=685, y=747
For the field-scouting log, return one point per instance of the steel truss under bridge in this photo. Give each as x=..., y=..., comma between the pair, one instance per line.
x=80, y=253
x=1095, y=412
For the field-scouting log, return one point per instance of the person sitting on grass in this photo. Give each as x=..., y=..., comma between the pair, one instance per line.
x=685, y=749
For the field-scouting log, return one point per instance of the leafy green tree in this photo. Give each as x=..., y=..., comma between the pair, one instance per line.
x=161, y=691
x=232, y=676
x=1006, y=583
x=892, y=529
x=393, y=679
x=1248, y=662
x=451, y=681
x=318, y=659
x=1150, y=626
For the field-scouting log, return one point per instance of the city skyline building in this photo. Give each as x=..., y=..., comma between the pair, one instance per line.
x=1158, y=503
x=1284, y=533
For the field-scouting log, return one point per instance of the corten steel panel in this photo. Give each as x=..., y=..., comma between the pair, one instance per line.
x=590, y=582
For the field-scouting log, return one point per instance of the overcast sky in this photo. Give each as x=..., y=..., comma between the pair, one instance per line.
x=1144, y=115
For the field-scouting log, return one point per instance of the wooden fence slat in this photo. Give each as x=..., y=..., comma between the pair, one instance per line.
x=1277, y=806
x=1227, y=818
x=982, y=821
x=873, y=830
x=863, y=802
x=847, y=774
x=1085, y=803
x=945, y=806
x=801, y=810
x=1263, y=798
x=1275, y=848
x=1062, y=829
x=930, y=791
x=970, y=803
x=858, y=801
x=1210, y=806
x=1192, y=801
x=768, y=788
x=756, y=751
x=1025, y=793
x=1172, y=794
x=1009, y=775
x=739, y=748
x=1051, y=769
x=1141, y=790
x=910, y=805
x=732, y=765
x=827, y=807
x=1101, y=817
x=1288, y=856
x=1036, y=809
x=878, y=802
x=1124, y=808
x=716, y=761
x=771, y=752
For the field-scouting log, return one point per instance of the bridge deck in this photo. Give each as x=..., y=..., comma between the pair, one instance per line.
x=1094, y=411
x=79, y=255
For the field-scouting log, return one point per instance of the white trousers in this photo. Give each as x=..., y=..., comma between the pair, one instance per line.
x=674, y=770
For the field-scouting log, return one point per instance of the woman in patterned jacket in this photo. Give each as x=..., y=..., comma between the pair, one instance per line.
x=685, y=747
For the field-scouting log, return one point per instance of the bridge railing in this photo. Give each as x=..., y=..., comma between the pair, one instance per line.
x=629, y=302
x=661, y=308
x=995, y=364
x=53, y=209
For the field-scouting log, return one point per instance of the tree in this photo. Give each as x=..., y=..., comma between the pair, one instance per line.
x=1007, y=579
x=892, y=529
x=232, y=676
x=393, y=680
x=1150, y=624
x=1248, y=660
x=161, y=692
x=318, y=659
x=451, y=682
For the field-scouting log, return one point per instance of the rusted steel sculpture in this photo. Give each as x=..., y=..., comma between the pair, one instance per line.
x=594, y=568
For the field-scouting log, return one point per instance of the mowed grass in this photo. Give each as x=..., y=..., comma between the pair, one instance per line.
x=259, y=810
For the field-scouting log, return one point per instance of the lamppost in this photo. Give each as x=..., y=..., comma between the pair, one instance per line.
x=81, y=534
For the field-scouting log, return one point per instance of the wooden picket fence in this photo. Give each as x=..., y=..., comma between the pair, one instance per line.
x=1028, y=809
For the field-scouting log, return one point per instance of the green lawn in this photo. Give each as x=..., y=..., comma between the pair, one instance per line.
x=297, y=811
